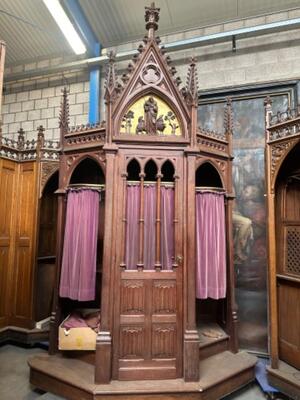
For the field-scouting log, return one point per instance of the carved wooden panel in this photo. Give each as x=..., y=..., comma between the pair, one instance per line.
x=292, y=201
x=132, y=297
x=289, y=323
x=132, y=342
x=292, y=250
x=25, y=242
x=164, y=341
x=164, y=297
x=8, y=176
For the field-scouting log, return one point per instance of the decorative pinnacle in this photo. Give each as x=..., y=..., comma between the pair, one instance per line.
x=111, y=75
x=192, y=81
x=64, y=110
x=21, y=138
x=151, y=18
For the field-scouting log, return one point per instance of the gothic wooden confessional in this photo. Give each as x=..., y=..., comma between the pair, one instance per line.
x=283, y=200
x=144, y=228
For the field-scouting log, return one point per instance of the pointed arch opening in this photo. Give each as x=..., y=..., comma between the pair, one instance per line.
x=210, y=251
x=88, y=171
x=150, y=171
x=133, y=170
x=168, y=172
x=208, y=176
x=45, y=278
x=84, y=235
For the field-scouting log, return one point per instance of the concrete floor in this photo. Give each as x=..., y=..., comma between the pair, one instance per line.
x=14, y=378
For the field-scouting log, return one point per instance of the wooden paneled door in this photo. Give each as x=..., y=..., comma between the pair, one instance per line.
x=149, y=333
x=148, y=309
x=288, y=277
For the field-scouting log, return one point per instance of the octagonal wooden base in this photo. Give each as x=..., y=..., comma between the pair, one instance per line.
x=221, y=374
x=286, y=379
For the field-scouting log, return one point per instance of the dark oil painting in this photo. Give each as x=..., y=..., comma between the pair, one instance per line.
x=249, y=216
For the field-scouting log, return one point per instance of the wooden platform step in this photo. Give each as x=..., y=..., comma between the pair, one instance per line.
x=220, y=374
x=213, y=340
x=286, y=379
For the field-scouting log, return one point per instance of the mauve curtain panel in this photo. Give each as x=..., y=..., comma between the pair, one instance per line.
x=132, y=226
x=78, y=271
x=210, y=246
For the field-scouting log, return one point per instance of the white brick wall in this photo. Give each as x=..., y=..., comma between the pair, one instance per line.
x=31, y=108
x=260, y=59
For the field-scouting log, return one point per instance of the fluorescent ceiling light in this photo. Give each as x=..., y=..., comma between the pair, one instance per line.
x=65, y=25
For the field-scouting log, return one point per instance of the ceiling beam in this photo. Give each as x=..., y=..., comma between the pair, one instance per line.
x=195, y=42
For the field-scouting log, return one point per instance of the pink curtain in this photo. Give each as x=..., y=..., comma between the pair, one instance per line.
x=211, y=246
x=78, y=271
x=149, y=225
x=132, y=226
x=167, y=227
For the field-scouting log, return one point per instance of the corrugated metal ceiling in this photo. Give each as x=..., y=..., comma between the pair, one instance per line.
x=30, y=32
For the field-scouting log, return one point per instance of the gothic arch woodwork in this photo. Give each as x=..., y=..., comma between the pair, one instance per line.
x=283, y=200
x=148, y=324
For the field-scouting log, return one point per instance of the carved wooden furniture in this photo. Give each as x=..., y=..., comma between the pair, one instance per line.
x=25, y=167
x=148, y=325
x=283, y=200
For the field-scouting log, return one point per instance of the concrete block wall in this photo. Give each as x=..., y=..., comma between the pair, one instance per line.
x=30, y=107
x=260, y=59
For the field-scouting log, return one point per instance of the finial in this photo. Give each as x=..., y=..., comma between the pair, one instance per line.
x=41, y=136
x=151, y=18
x=21, y=138
x=111, y=84
x=64, y=110
x=192, y=83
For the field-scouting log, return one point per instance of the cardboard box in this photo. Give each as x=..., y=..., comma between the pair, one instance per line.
x=82, y=338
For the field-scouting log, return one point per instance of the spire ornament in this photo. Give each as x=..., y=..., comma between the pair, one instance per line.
x=64, y=117
x=112, y=86
x=151, y=19
x=190, y=91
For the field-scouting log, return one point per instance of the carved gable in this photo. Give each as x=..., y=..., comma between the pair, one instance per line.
x=149, y=102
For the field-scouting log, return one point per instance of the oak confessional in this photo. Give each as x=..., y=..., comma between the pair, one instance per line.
x=157, y=188
x=283, y=201
x=27, y=235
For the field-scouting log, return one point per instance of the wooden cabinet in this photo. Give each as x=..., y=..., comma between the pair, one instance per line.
x=148, y=150
x=283, y=194
x=21, y=182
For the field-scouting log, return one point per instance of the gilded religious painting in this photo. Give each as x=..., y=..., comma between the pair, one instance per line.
x=249, y=215
x=150, y=115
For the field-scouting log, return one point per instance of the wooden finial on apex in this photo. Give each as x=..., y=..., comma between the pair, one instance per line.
x=21, y=138
x=112, y=86
x=190, y=91
x=41, y=135
x=64, y=117
x=151, y=19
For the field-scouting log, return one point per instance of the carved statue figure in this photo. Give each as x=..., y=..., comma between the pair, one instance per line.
x=140, y=128
x=160, y=125
x=150, y=110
